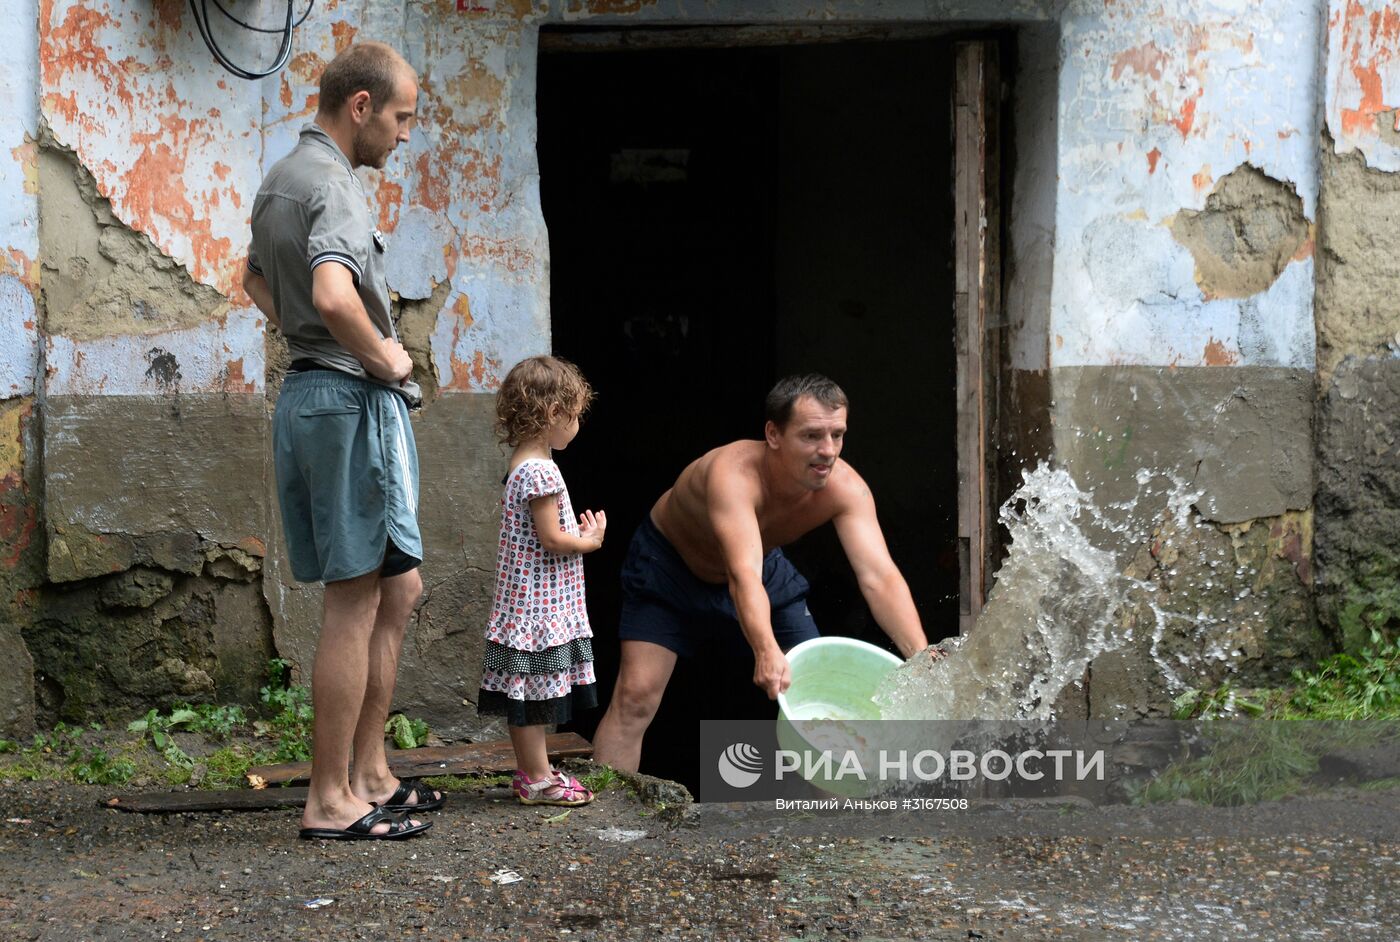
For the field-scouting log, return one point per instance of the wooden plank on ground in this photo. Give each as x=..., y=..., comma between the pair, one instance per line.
x=238, y=799
x=473, y=758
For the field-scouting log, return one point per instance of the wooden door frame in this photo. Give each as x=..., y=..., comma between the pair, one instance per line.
x=977, y=261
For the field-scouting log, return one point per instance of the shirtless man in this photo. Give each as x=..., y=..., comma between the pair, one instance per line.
x=708, y=557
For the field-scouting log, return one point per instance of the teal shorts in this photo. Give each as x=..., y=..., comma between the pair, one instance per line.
x=347, y=477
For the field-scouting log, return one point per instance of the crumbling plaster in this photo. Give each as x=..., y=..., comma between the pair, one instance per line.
x=1159, y=102
x=1363, y=80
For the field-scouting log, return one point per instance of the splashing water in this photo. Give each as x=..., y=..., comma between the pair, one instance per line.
x=1061, y=599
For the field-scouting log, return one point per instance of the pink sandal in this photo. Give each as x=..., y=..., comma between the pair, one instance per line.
x=554, y=789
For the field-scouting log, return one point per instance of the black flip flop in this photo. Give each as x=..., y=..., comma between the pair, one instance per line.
x=363, y=829
x=409, y=789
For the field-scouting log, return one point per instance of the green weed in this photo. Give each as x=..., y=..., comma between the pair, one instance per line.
x=158, y=727
x=601, y=780
x=291, y=715
x=407, y=733
x=96, y=767
x=217, y=722
x=1360, y=686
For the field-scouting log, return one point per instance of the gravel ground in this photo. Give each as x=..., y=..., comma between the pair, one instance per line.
x=1320, y=868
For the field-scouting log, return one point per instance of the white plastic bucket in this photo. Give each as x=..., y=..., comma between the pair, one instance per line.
x=833, y=687
x=835, y=679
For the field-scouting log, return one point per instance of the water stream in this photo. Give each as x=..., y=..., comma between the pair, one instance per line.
x=1061, y=599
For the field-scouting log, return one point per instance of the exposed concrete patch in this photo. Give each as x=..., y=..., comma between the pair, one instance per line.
x=278, y=358
x=1235, y=583
x=1357, y=302
x=175, y=475
x=416, y=320
x=1234, y=605
x=1358, y=498
x=99, y=277
x=1251, y=228
x=1241, y=435
x=106, y=648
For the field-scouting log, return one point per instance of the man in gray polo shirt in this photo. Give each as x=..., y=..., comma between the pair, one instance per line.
x=344, y=453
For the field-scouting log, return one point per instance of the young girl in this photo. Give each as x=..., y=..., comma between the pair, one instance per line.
x=538, y=666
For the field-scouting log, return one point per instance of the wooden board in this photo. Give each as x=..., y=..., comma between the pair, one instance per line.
x=471, y=758
x=979, y=328
x=238, y=799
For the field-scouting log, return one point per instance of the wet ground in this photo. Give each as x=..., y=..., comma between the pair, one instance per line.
x=1320, y=868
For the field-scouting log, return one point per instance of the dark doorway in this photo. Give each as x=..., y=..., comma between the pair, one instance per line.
x=719, y=218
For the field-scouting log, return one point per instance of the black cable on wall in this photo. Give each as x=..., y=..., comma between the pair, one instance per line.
x=199, y=9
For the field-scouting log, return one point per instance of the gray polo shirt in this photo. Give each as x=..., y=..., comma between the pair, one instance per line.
x=310, y=211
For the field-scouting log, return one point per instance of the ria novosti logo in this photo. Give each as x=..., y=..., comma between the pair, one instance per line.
x=740, y=765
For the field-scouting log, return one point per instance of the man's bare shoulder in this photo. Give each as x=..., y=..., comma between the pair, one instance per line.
x=847, y=489
x=734, y=463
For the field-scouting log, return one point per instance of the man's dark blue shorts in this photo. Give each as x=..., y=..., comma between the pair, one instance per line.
x=663, y=602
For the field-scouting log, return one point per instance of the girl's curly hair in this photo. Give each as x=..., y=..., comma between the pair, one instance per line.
x=531, y=389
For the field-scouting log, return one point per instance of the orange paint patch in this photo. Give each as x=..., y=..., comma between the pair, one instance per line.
x=73, y=46
x=1305, y=250
x=233, y=379
x=1187, y=119
x=389, y=196
x=27, y=156
x=510, y=254
x=1153, y=156
x=485, y=371
x=171, y=14
x=1202, y=179
x=22, y=267
x=1146, y=60
x=154, y=188
x=221, y=170
x=460, y=368
x=479, y=373
x=343, y=34
x=1390, y=24
x=306, y=67
x=462, y=307
x=1217, y=354
x=432, y=191
x=1363, y=116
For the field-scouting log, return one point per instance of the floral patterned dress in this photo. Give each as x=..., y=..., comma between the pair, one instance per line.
x=538, y=666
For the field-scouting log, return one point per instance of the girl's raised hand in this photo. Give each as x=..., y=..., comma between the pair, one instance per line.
x=592, y=526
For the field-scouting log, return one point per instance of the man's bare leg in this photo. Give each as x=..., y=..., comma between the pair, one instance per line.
x=338, y=679
x=397, y=596
x=641, y=680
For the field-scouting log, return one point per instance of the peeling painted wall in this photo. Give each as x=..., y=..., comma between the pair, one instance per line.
x=1167, y=199
x=1159, y=104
